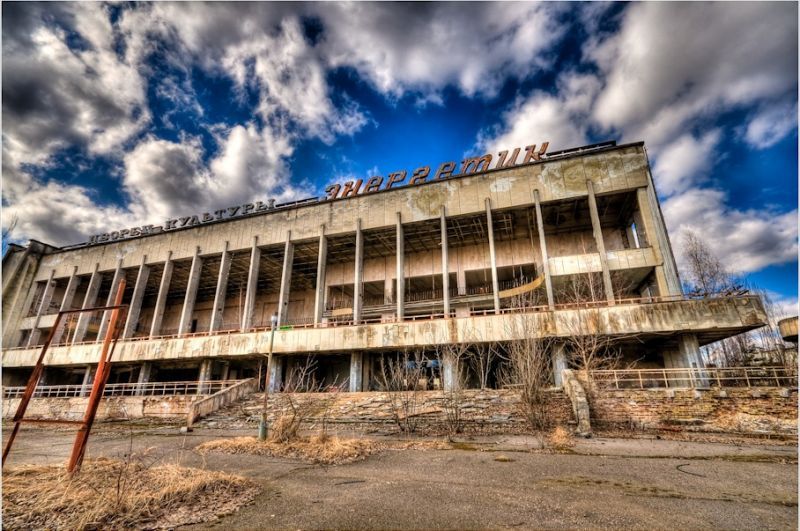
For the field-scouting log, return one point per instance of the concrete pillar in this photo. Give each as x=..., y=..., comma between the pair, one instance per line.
x=252, y=286
x=445, y=266
x=191, y=293
x=461, y=281
x=222, y=290
x=689, y=349
x=601, y=246
x=672, y=277
x=118, y=274
x=144, y=377
x=88, y=379
x=135, y=308
x=275, y=374
x=559, y=363
x=388, y=286
x=226, y=369
x=47, y=296
x=89, y=300
x=449, y=373
x=286, y=280
x=204, y=375
x=400, y=294
x=161, y=299
x=358, y=282
x=319, y=291
x=66, y=304
x=356, y=371
x=666, y=273
x=548, y=281
x=492, y=256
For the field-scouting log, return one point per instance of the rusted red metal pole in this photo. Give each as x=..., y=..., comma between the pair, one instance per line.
x=30, y=388
x=98, y=386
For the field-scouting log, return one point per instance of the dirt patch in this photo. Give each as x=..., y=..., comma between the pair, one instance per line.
x=112, y=494
x=560, y=439
x=315, y=449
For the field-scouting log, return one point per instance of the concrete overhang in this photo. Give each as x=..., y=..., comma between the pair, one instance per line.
x=710, y=319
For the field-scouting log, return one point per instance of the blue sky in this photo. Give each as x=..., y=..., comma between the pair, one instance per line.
x=116, y=116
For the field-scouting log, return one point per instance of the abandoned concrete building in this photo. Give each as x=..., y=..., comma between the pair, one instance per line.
x=374, y=273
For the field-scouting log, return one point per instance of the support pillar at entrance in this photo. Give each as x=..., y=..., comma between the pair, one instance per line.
x=358, y=284
x=135, y=307
x=559, y=363
x=319, y=291
x=400, y=292
x=44, y=304
x=66, y=303
x=356, y=372
x=88, y=379
x=222, y=289
x=286, y=280
x=118, y=274
x=88, y=301
x=601, y=246
x=144, y=377
x=275, y=372
x=204, y=375
x=548, y=281
x=445, y=265
x=252, y=286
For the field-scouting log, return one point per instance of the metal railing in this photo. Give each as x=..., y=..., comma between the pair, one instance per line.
x=125, y=389
x=348, y=321
x=694, y=378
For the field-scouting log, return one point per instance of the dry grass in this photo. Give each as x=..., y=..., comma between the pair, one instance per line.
x=560, y=438
x=111, y=494
x=323, y=449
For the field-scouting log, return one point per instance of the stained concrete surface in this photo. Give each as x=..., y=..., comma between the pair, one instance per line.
x=489, y=482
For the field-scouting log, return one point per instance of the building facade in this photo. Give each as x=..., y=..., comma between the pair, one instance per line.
x=374, y=270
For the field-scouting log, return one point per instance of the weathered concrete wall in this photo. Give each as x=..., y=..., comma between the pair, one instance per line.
x=730, y=410
x=688, y=316
x=492, y=409
x=111, y=408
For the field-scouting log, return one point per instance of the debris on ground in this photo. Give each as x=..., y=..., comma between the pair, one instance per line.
x=114, y=494
x=322, y=449
x=561, y=439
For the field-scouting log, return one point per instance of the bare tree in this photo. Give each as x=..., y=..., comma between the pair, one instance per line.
x=400, y=378
x=452, y=361
x=705, y=273
x=588, y=346
x=482, y=357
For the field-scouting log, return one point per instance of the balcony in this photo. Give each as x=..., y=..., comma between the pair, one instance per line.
x=710, y=318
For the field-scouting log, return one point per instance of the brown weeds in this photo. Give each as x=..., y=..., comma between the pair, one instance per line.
x=561, y=439
x=322, y=448
x=111, y=494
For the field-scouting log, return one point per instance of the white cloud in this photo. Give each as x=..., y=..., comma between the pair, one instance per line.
x=771, y=124
x=683, y=163
x=745, y=240
x=560, y=118
x=671, y=63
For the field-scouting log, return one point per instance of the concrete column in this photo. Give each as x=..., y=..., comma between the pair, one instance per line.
x=252, y=286
x=88, y=379
x=319, y=291
x=666, y=274
x=492, y=256
x=388, y=286
x=144, y=377
x=275, y=374
x=672, y=277
x=191, y=293
x=548, y=281
x=689, y=349
x=449, y=373
x=559, y=363
x=135, y=308
x=358, y=282
x=226, y=369
x=47, y=296
x=461, y=281
x=356, y=371
x=118, y=274
x=601, y=246
x=286, y=280
x=66, y=304
x=161, y=299
x=445, y=266
x=400, y=294
x=204, y=375
x=222, y=290
x=88, y=301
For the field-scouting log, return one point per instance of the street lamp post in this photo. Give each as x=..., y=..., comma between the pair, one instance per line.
x=262, y=426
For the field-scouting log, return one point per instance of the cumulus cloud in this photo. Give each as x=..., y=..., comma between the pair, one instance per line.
x=685, y=161
x=671, y=63
x=560, y=118
x=771, y=124
x=745, y=240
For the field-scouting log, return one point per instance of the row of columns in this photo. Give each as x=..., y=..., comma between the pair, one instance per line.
x=282, y=313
